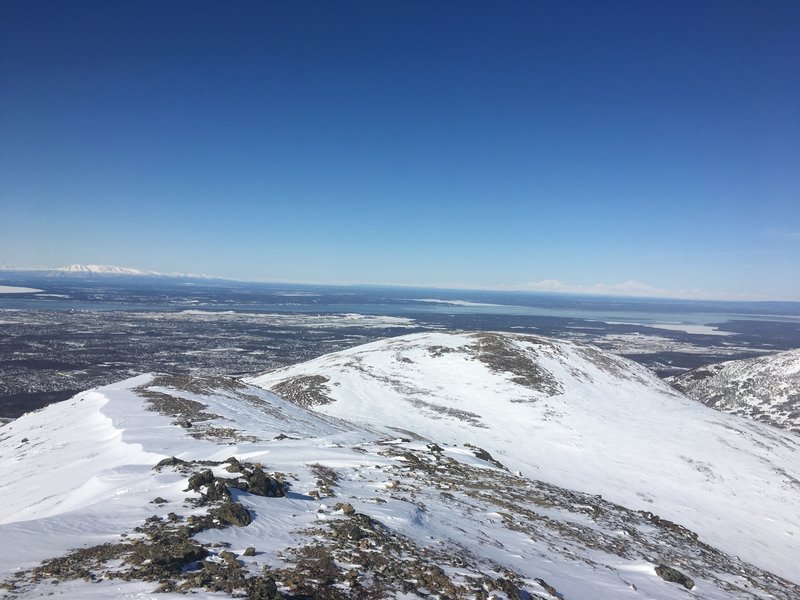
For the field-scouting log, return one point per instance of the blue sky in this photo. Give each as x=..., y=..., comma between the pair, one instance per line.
x=476, y=144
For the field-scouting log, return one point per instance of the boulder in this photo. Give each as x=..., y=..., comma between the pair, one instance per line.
x=674, y=576
x=232, y=513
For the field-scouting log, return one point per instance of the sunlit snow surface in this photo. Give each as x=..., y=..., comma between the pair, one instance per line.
x=764, y=388
x=80, y=472
x=612, y=429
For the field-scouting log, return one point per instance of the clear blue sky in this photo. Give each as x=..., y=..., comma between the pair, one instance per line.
x=484, y=144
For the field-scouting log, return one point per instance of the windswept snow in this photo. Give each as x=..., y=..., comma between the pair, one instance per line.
x=394, y=483
x=581, y=419
x=80, y=472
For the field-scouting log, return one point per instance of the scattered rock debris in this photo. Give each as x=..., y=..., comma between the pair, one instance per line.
x=306, y=390
x=500, y=353
x=165, y=394
x=165, y=552
x=350, y=554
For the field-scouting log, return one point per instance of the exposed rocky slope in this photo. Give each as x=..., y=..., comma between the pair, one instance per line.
x=766, y=388
x=215, y=487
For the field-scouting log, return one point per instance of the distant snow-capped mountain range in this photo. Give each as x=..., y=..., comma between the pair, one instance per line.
x=104, y=270
x=435, y=465
x=80, y=269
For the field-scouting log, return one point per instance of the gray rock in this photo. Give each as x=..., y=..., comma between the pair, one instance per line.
x=674, y=576
x=232, y=513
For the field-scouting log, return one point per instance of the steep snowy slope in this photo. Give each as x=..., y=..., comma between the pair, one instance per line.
x=766, y=388
x=578, y=418
x=175, y=484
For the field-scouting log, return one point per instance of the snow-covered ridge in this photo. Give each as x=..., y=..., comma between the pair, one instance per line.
x=92, y=434
x=576, y=417
x=766, y=388
x=266, y=498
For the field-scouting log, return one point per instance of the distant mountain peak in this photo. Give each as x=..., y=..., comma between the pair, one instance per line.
x=79, y=269
x=104, y=270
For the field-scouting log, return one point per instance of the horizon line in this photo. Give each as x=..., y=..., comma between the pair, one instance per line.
x=627, y=290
